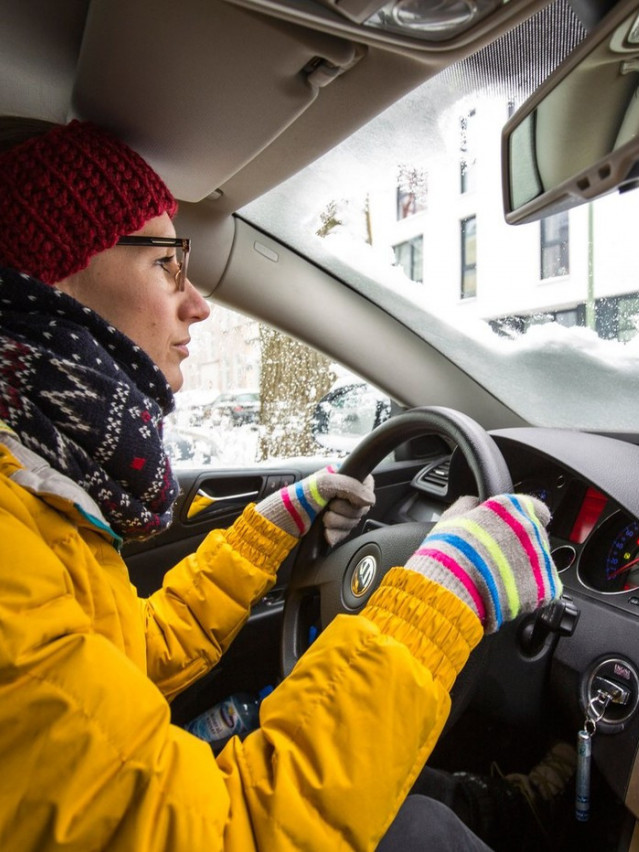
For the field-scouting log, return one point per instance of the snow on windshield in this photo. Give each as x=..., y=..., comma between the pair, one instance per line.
x=551, y=374
x=544, y=315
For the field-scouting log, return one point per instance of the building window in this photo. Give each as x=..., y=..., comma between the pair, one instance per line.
x=555, y=245
x=468, y=153
x=412, y=191
x=410, y=256
x=616, y=317
x=469, y=257
x=571, y=317
x=628, y=321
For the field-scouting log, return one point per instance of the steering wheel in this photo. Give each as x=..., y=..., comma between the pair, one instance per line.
x=325, y=581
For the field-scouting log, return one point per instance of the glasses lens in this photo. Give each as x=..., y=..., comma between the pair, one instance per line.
x=182, y=257
x=179, y=258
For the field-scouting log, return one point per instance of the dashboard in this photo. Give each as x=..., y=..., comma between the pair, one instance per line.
x=587, y=644
x=591, y=484
x=591, y=534
x=600, y=540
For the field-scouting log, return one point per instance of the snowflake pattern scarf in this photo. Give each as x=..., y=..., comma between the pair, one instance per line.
x=88, y=400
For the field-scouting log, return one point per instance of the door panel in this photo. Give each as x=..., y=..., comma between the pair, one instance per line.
x=209, y=499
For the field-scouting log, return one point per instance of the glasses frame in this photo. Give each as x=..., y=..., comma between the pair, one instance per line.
x=165, y=242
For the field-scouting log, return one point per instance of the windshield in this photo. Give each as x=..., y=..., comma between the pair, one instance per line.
x=409, y=210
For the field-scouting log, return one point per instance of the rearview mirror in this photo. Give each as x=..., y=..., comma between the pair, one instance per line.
x=577, y=137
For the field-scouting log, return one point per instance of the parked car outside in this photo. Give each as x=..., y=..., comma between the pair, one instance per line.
x=235, y=408
x=350, y=410
x=190, y=447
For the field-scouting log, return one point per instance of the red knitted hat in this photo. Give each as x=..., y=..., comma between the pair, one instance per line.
x=69, y=194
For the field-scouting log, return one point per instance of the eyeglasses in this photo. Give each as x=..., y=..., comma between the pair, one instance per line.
x=182, y=246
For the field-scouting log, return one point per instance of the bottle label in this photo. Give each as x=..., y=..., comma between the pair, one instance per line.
x=219, y=723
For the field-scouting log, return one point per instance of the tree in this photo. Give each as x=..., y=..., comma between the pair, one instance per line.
x=412, y=185
x=294, y=378
x=329, y=219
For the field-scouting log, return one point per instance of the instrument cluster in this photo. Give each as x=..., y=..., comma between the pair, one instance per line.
x=589, y=534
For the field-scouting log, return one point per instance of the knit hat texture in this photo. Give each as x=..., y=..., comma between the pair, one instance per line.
x=72, y=193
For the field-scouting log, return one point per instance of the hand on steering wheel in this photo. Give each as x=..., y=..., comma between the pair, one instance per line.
x=324, y=584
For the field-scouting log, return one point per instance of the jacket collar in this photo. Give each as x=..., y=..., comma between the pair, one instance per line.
x=33, y=473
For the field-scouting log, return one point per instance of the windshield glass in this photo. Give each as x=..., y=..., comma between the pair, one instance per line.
x=409, y=210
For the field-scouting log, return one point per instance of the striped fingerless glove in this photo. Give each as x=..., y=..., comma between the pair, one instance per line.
x=294, y=508
x=495, y=557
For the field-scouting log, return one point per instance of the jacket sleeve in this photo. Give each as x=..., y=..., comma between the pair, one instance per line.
x=206, y=599
x=343, y=738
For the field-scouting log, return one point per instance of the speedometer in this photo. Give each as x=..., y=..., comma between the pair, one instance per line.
x=610, y=562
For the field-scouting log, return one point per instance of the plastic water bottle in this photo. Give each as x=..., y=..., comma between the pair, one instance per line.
x=237, y=714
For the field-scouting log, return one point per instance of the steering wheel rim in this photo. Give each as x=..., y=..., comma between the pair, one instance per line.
x=307, y=576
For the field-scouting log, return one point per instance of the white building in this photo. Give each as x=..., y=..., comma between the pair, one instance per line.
x=451, y=209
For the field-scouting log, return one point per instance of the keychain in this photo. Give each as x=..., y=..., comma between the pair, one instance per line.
x=594, y=714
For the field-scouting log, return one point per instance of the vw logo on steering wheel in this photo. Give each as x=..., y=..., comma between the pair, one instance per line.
x=363, y=576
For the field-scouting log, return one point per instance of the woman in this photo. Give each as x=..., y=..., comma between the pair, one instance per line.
x=95, y=318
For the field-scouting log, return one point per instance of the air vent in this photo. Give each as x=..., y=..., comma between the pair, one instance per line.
x=434, y=477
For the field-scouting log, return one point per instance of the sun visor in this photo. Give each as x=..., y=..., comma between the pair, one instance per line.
x=135, y=75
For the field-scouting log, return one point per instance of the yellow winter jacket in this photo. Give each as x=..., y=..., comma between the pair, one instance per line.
x=90, y=760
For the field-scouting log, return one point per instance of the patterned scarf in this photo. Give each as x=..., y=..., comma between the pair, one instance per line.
x=88, y=400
